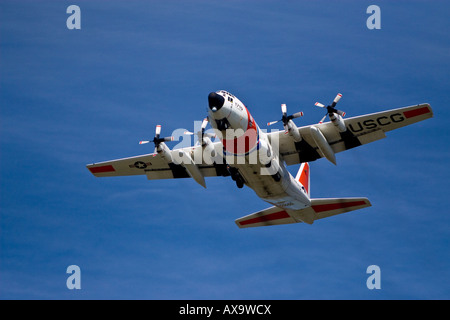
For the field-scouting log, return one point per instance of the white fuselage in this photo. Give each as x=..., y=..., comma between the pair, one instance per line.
x=251, y=157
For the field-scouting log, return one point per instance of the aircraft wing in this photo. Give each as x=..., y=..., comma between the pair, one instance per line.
x=360, y=130
x=155, y=167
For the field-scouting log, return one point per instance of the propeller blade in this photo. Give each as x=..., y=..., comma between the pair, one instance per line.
x=204, y=123
x=168, y=138
x=157, y=131
x=297, y=115
x=188, y=133
x=283, y=109
x=143, y=142
x=321, y=121
x=341, y=113
x=338, y=97
x=273, y=122
x=319, y=105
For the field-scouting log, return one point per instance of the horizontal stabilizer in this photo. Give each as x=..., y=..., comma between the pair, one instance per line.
x=325, y=208
x=267, y=217
x=320, y=208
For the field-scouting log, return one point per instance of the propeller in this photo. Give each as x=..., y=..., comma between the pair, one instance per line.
x=157, y=139
x=285, y=118
x=202, y=132
x=331, y=108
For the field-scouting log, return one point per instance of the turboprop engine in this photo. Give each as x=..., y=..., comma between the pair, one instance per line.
x=208, y=153
x=288, y=124
x=160, y=147
x=183, y=158
x=334, y=114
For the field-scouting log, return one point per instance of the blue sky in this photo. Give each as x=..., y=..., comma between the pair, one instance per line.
x=72, y=97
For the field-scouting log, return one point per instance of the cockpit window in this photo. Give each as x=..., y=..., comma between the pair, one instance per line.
x=226, y=93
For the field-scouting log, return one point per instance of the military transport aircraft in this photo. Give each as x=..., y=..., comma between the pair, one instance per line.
x=257, y=158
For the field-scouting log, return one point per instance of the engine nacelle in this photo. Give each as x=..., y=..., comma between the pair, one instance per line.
x=338, y=122
x=265, y=152
x=268, y=160
x=272, y=169
x=210, y=155
x=293, y=131
x=165, y=153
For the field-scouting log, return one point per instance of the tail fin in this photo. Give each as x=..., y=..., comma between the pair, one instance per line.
x=303, y=177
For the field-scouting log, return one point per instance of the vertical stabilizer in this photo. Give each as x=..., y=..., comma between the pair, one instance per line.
x=303, y=177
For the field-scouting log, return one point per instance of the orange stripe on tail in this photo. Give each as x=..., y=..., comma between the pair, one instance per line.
x=303, y=176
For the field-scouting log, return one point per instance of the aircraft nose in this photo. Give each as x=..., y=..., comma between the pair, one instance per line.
x=215, y=101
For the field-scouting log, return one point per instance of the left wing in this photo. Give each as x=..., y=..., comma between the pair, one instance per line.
x=360, y=130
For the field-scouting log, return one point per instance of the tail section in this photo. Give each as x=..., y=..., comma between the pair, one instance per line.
x=303, y=177
x=320, y=208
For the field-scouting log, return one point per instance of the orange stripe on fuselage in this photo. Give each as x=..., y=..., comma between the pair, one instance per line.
x=245, y=143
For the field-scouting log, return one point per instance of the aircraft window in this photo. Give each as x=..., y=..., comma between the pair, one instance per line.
x=226, y=93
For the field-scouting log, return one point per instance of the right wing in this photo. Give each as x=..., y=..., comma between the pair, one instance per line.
x=360, y=130
x=155, y=167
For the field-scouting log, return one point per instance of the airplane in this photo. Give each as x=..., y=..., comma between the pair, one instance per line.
x=259, y=159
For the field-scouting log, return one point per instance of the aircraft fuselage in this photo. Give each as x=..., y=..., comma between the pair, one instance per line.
x=250, y=155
